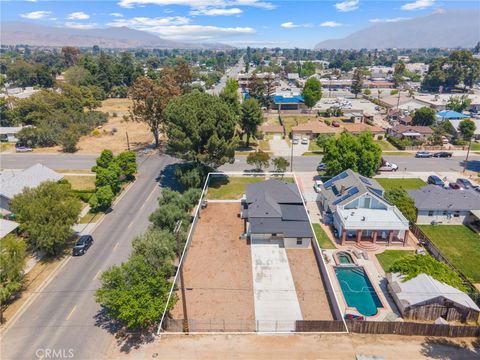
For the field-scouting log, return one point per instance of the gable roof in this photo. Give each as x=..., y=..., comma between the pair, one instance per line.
x=456, y=123
x=348, y=186
x=424, y=288
x=277, y=207
x=13, y=182
x=400, y=129
x=432, y=197
x=268, y=128
x=316, y=127
x=360, y=127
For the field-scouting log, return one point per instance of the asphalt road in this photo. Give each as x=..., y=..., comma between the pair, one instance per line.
x=64, y=316
x=232, y=73
x=53, y=161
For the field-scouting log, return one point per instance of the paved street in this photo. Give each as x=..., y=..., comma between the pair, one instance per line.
x=232, y=73
x=64, y=315
x=53, y=161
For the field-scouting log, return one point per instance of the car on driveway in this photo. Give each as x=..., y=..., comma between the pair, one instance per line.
x=295, y=141
x=304, y=140
x=423, y=154
x=465, y=183
x=322, y=167
x=82, y=245
x=435, y=180
x=317, y=184
x=443, y=154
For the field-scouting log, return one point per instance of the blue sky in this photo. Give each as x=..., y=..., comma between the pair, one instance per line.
x=236, y=22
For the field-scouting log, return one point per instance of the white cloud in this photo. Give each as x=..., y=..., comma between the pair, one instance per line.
x=291, y=25
x=348, y=5
x=418, y=5
x=392, y=20
x=216, y=12
x=198, y=3
x=330, y=24
x=144, y=23
x=115, y=14
x=32, y=0
x=36, y=15
x=78, y=15
x=75, y=25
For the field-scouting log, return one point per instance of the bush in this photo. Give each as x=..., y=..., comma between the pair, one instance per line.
x=394, y=92
x=399, y=144
x=379, y=137
x=83, y=195
x=367, y=92
x=95, y=132
x=102, y=199
x=114, y=114
x=69, y=142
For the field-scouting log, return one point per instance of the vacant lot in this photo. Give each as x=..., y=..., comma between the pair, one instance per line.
x=218, y=272
x=407, y=183
x=81, y=182
x=459, y=244
x=388, y=257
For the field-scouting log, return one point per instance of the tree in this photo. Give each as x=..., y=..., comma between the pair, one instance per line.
x=251, y=118
x=259, y=159
x=102, y=199
x=134, y=294
x=322, y=139
x=229, y=94
x=312, y=92
x=69, y=142
x=12, y=257
x=182, y=73
x=104, y=160
x=47, y=214
x=400, y=198
x=77, y=76
x=128, y=164
x=467, y=129
x=280, y=164
x=150, y=100
x=357, y=82
x=459, y=103
x=70, y=55
x=359, y=153
x=424, y=116
x=108, y=177
x=201, y=128
x=158, y=248
x=256, y=87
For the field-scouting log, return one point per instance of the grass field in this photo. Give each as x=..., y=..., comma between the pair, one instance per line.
x=291, y=121
x=459, y=244
x=388, y=257
x=475, y=146
x=6, y=146
x=81, y=182
x=313, y=146
x=407, y=183
x=323, y=240
x=232, y=188
x=89, y=217
x=385, y=145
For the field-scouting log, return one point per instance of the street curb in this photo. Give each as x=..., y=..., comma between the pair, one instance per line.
x=62, y=263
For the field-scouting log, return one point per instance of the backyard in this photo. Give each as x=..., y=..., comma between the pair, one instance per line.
x=81, y=182
x=459, y=244
x=232, y=188
x=406, y=183
x=388, y=257
x=323, y=241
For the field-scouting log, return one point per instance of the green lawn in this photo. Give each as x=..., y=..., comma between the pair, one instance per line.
x=89, y=217
x=232, y=188
x=385, y=145
x=313, y=146
x=459, y=244
x=475, y=146
x=81, y=182
x=323, y=240
x=388, y=257
x=407, y=183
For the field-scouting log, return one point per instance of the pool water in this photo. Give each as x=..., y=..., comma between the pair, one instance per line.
x=358, y=290
x=344, y=258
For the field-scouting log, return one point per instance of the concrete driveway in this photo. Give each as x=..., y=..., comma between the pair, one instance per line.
x=275, y=297
x=279, y=147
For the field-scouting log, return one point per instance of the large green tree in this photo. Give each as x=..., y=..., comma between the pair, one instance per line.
x=12, y=258
x=46, y=214
x=201, y=128
x=424, y=116
x=459, y=103
x=229, y=94
x=357, y=82
x=259, y=159
x=400, y=198
x=251, y=118
x=356, y=152
x=312, y=92
x=467, y=129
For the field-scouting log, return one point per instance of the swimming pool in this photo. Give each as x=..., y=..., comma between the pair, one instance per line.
x=344, y=258
x=358, y=290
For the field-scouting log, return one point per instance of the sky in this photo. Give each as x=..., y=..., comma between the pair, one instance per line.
x=241, y=23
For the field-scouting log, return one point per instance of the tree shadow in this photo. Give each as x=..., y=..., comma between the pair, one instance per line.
x=443, y=348
x=126, y=340
x=167, y=178
x=472, y=165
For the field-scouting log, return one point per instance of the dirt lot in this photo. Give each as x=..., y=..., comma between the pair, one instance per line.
x=138, y=133
x=218, y=271
x=309, y=285
x=318, y=347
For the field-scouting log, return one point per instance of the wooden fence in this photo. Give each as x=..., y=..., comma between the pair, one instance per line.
x=320, y=326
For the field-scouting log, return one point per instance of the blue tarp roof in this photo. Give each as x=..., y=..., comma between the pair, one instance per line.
x=280, y=99
x=450, y=114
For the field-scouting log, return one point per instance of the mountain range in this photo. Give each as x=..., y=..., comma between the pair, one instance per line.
x=441, y=29
x=22, y=33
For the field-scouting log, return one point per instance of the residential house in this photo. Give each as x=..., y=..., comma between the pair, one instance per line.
x=276, y=131
x=436, y=204
x=402, y=102
x=356, y=208
x=411, y=132
x=424, y=298
x=7, y=227
x=274, y=212
x=456, y=123
x=439, y=101
x=313, y=128
x=9, y=133
x=13, y=182
x=450, y=115
x=356, y=129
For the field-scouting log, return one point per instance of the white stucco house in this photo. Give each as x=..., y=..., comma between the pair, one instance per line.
x=356, y=208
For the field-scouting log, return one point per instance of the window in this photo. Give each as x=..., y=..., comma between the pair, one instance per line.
x=299, y=241
x=430, y=213
x=274, y=234
x=445, y=212
x=456, y=214
x=367, y=202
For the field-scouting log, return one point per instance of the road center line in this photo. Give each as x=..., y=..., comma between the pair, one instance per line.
x=151, y=193
x=130, y=225
x=71, y=313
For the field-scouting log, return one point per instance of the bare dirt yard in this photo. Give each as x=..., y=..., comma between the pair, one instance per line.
x=218, y=273
x=138, y=133
x=302, y=346
x=309, y=285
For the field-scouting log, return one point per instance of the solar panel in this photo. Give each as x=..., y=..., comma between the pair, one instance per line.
x=349, y=193
x=340, y=176
x=365, y=180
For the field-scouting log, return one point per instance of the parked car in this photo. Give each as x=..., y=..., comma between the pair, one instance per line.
x=435, y=180
x=423, y=154
x=335, y=123
x=317, y=184
x=82, y=245
x=304, y=140
x=295, y=141
x=455, y=186
x=23, y=149
x=387, y=166
x=443, y=154
x=465, y=183
x=322, y=167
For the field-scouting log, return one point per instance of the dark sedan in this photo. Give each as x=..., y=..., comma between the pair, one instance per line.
x=423, y=154
x=82, y=245
x=435, y=180
x=443, y=154
x=455, y=186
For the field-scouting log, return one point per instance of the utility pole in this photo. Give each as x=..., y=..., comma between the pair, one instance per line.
x=468, y=153
x=176, y=231
x=128, y=141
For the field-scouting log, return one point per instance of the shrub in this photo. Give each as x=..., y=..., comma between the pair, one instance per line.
x=95, y=132
x=114, y=114
x=102, y=199
x=380, y=137
x=69, y=142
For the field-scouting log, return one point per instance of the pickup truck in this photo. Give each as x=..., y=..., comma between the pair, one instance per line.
x=386, y=166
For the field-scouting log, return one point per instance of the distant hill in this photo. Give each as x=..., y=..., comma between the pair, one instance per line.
x=442, y=29
x=22, y=33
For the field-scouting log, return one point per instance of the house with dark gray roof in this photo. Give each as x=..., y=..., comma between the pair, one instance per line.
x=436, y=204
x=354, y=205
x=274, y=211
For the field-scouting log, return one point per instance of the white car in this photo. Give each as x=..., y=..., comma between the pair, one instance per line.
x=317, y=184
x=295, y=141
x=304, y=141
